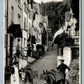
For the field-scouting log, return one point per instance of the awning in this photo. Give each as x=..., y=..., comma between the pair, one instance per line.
x=64, y=40
x=15, y=29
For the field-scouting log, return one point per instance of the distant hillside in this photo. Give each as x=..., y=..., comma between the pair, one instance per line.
x=56, y=12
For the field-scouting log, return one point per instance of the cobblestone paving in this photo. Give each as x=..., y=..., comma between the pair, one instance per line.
x=49, y=61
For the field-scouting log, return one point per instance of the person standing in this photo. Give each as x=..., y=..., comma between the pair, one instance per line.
x=62, y=68
x=14, y=74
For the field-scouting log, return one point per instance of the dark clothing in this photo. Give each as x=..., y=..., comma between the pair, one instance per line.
x=17, y=53
x=29, y=51
x=62, y=68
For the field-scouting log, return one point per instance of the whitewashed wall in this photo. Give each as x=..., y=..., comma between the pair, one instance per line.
x=67, y=55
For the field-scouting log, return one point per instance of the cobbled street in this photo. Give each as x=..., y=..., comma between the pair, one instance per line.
x=47, y=62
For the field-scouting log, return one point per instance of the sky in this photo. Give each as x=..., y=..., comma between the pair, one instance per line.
x=39, y=1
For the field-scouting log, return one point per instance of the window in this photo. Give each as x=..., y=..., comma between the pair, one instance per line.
x=19, y=18
x=28, y=1
x=12, y=14
x=18, y=40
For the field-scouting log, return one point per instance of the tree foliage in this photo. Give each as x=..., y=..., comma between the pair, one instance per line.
x=74, y=72
x=56, y=13
x=75, y=8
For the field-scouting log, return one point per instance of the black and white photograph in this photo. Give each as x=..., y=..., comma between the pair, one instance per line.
x=42, y=42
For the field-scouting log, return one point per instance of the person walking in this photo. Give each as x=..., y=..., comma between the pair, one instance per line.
x=62, y=68
x=14, y=74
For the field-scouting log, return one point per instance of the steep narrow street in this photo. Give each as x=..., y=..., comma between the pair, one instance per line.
x=38, y=36
x=47, y=62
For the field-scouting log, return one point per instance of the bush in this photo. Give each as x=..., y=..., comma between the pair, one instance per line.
x=74, y=72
